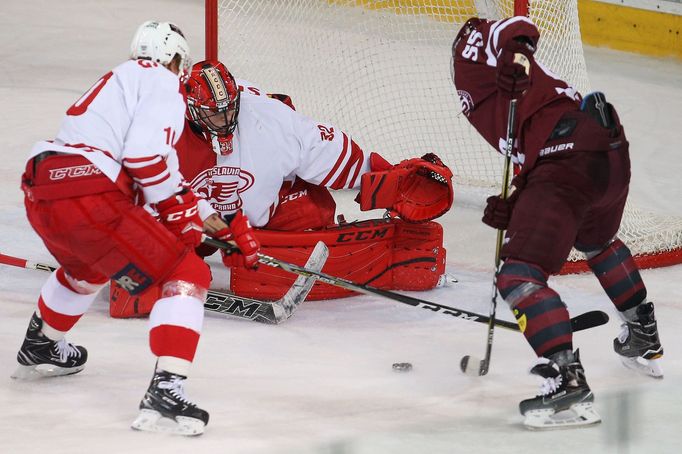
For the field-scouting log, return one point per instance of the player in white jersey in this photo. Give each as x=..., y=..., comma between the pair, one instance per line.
x=115, y=143
x=253, y=156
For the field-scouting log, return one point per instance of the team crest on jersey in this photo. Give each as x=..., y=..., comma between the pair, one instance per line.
x=221, y=186
x=466, y=101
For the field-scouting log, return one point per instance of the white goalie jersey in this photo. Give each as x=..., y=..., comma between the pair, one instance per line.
x=272, y=143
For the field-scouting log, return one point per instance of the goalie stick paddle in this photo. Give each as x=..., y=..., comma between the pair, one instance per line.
x=268, y=312
x=595, y=319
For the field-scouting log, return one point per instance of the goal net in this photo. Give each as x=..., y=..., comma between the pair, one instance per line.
x=379, y=69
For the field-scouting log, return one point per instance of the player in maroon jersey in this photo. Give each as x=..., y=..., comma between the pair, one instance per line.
x=570, y=191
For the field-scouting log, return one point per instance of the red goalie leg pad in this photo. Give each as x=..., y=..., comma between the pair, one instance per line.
x=387, y=254
x=123, y=305
x=302, y=206
x=418, y=256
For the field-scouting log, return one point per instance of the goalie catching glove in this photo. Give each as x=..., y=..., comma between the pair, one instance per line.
x=416, y=190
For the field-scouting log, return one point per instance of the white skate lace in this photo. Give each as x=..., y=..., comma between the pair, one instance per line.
x=550, y=385
x=66, y=350
x=175, y=387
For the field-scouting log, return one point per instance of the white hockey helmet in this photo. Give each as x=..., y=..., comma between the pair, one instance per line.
x=160, y=42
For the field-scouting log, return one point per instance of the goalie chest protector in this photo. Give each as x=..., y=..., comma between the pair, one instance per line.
x=388, y=254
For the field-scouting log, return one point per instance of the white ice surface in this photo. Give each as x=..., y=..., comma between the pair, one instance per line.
x=322, y=382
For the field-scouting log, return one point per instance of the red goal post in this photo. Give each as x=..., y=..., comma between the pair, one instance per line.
x=379, y=70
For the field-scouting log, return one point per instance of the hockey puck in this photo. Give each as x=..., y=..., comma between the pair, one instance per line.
x=402, y=367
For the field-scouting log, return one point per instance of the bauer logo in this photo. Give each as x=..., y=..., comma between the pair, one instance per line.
x=132, y=279
x=554, y=148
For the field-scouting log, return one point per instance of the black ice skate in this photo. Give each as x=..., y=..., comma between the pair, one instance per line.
x=165, y=408
x=638, y=344
x=565, y=399
x=40, y=356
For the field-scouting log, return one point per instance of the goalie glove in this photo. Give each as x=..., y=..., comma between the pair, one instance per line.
x=416, y=190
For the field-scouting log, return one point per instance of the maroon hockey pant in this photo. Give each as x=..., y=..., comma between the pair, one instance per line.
x=570, y=198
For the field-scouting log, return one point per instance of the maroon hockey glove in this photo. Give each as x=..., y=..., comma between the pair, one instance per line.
x=498, y=211
x=180, y=215
x=513, y=67
x=240, y=231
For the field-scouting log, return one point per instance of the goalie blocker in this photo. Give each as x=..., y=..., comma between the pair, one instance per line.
x=390, y=254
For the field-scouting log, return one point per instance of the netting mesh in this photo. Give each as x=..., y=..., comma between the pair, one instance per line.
x=379, y=70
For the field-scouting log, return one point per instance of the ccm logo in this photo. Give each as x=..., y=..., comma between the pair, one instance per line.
x=293, y=196
x=362, y=235
x=188, y=213
x=74, y=172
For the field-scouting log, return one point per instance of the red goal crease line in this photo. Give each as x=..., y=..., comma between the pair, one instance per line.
x=643, y=261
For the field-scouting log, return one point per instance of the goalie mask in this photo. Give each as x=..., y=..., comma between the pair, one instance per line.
x=160, y=42
x=213, y=103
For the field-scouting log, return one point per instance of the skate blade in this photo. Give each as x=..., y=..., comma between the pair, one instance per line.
x=649, y=367
x=38, y=371
x=446, y=280
x=153, y=421
x=578, y=415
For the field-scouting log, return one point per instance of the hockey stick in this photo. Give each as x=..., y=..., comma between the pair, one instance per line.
x=268, y=312
x=484, y=364
x=583, y=321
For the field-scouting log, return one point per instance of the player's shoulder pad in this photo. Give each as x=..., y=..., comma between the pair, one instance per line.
x=267, y=110
x=147, y=74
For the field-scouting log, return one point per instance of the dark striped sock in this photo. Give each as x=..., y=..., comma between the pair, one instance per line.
x=619, y=276
x=542, y=316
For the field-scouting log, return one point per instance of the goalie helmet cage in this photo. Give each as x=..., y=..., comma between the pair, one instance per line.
x=379, y=70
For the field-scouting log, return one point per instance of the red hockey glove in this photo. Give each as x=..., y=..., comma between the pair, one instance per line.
x=513, y=67
x=498, y=211
x=180, y=215
x=417, y=190
x=239, y=230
